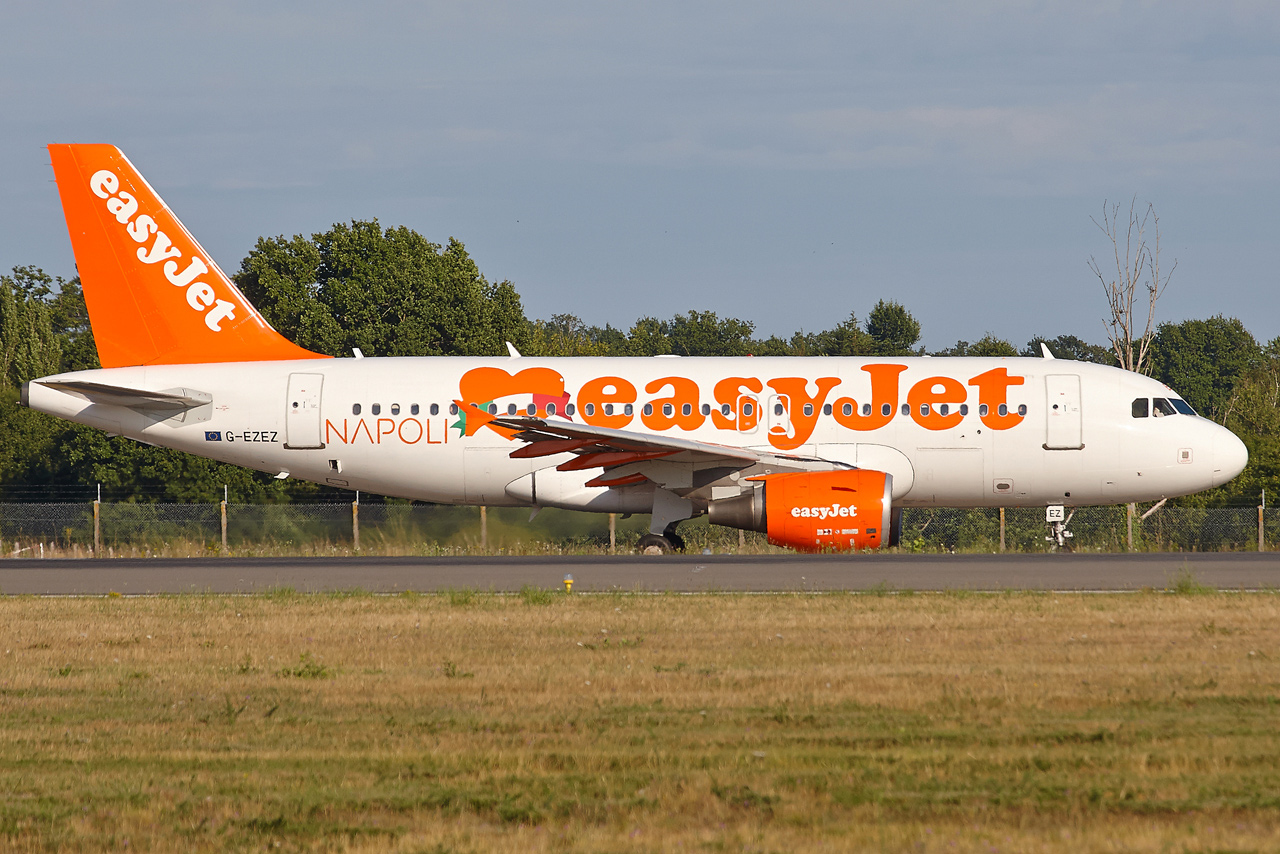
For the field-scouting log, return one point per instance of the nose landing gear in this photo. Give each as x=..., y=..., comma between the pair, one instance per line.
x=1056, y=516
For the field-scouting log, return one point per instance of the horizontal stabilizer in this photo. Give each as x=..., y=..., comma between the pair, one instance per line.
x=133, y=398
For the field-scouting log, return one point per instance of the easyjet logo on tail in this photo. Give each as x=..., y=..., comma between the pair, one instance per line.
x=142, y=229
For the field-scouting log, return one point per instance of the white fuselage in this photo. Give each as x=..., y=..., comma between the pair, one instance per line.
x=403, y=441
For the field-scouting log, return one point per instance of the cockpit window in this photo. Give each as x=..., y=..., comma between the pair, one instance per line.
x=1139, y=407
x=1182, y=406
x=1162, y=407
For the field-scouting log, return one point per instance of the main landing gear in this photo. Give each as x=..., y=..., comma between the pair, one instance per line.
x=665, y=543
x=669, y=510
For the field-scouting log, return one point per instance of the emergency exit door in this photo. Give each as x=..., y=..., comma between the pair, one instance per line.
x=302, y=412
x=1063, y=426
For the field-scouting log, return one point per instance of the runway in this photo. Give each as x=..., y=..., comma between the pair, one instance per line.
x=684, y=574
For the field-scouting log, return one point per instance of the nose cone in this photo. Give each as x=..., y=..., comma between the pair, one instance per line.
x=1230, y=456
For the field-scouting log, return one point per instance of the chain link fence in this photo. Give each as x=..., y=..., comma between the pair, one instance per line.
x=24, y=526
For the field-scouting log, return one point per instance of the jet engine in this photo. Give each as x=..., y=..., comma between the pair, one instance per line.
x=814, y=511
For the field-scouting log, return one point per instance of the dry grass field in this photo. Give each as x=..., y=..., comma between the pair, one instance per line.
x=546, y=722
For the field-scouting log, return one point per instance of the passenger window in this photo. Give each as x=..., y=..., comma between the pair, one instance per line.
x=924, y=409
x=453, y=409
x=493, y=409
x=511, y=409
x=808, y=409
x=551, y=409
x=748, y=409
x=777, y=409
x=667, y=409
x=964, y=409
x=648, y=409
x=628, y=409
x=355, y=409
x=395, y=409
x=376, y=409
x=413, y=409
x=530, y=409
x=886, y=409
x=1140, y=407
x=1162, y=407
x=725, y=409
x=687, y=409
x=706, y=409
x=590, y=409
x=435, y=409
x=1022, y=409
x=847, y=409
x=906, y=409
x=866, y=409
x=826, y=409
x=944, y=408
x=608, y=408
x=983, y=409
x=1003, y=409
x=568, y=409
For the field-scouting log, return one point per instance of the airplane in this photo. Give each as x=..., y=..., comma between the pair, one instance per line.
x=819, y=453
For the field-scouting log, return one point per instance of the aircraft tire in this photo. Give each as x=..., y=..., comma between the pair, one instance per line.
x=655, y=544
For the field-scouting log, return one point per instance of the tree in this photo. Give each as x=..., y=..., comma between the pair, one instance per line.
x=988, y=345
x=1202, y=359
x=1140, y=265
x=702, y=333
x=894, y=332
x=390, y=293
x=567, y=335
x=847, y=338
x=1071, y=347
x=28, y=346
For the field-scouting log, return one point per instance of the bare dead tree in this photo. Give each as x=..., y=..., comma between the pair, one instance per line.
x=1137, y=269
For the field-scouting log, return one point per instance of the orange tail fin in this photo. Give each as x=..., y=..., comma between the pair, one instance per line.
x=154, y=296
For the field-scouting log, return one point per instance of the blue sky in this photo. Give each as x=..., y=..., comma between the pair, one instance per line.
x=783, y=163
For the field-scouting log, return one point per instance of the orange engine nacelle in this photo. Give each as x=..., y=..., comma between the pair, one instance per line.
x=814, y=511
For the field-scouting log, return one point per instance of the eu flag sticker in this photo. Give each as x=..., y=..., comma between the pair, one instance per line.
x=213, y=435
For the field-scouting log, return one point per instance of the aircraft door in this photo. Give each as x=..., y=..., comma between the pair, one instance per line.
x=779, y=416
x=1062, y=412
x=302, y=423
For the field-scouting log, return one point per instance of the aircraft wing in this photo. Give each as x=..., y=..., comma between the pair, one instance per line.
x=133, y=398
x=629, y=457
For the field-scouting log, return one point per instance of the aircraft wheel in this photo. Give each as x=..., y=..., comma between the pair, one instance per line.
x=653, y=544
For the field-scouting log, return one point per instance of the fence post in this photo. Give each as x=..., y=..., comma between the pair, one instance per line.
x=1128, y=514
x=97, y=527
x=1001, y=529
x=484, y=528
x=1262, y=543
x=224, y=526
x=355, y=522
x=613, y=532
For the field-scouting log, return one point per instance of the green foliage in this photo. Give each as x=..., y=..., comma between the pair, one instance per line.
x=989, y=345
x=893, y=330
x=1071, y=347
x=389, y=293
x=28, y=347
x=1203, y=359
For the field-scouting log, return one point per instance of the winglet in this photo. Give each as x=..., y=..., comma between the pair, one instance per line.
x=154, y=296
